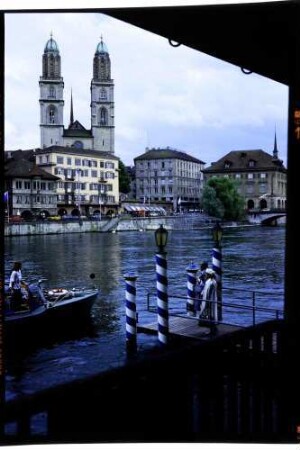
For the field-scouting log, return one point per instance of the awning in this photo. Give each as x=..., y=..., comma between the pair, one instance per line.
x=141, y=208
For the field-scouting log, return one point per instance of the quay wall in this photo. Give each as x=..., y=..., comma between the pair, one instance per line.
x=108, y=225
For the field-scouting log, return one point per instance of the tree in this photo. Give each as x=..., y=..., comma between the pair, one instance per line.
x=124, y=178
x=221, y=199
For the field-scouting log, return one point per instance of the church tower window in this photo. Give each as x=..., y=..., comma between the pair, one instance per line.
x=52, y=114
x=51, y=92
x=103, y=116
x=103, y=95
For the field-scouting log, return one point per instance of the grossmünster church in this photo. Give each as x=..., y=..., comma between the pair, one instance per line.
x=53, y=132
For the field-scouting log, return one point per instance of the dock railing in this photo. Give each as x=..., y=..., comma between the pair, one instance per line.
x=246, y=309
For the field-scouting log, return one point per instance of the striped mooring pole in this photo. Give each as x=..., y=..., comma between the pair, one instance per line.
x=162, y=297
x=131, y=316
x=192, y=270
x=217, y=267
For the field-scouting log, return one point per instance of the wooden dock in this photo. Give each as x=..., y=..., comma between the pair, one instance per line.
x=187, y=327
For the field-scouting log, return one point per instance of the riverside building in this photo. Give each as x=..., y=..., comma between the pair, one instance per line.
x=169, y=176
x=261, y=177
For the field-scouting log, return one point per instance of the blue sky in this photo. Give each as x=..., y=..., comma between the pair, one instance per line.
x=164, y=96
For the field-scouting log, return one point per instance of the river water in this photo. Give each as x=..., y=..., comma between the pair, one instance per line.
x=253, y=260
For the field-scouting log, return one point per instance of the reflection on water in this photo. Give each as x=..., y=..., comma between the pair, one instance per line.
x=253, y=259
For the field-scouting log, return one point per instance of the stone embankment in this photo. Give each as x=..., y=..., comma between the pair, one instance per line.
x=183, y=222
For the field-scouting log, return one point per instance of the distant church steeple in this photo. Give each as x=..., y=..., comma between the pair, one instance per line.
x=71, y=111
x=51, y=96
x=275, y=150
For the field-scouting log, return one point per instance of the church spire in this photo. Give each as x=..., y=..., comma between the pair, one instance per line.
x=275, y=150
x=71, y=111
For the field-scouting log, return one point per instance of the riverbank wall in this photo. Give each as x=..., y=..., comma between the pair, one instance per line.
x=115, y=224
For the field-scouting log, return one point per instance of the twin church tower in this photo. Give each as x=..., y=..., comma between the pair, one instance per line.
x=101, y=134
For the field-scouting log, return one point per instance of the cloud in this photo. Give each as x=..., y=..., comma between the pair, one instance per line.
x=163, y=95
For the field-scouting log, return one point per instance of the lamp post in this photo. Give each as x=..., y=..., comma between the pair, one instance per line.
x=161, y=239
x=217, y=233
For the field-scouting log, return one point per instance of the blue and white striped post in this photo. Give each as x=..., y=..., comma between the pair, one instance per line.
x=192, y=270
x=131, y=317
x=217, y=264
x=162, y=297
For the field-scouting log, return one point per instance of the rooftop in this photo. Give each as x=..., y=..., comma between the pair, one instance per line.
x=167, y=153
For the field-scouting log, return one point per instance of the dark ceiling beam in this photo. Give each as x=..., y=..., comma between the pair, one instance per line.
x=255, y=36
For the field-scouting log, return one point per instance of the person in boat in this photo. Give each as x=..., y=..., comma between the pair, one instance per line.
x=18, y=288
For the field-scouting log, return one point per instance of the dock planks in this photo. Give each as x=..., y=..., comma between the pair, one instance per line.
x=187, y=327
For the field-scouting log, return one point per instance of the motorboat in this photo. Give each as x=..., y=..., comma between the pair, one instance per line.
x=48, y=308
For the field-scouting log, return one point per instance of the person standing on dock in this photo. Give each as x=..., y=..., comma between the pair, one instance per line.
x=209, y=304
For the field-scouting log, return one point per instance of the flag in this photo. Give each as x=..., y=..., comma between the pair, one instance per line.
x=5, y=196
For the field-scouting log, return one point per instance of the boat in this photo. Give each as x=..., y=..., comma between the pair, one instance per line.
x=48, y=309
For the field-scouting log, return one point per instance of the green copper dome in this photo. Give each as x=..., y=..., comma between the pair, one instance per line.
x=51, y=46
x=101, y=47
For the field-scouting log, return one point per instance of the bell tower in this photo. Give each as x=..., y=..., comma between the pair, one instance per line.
x=102, y=101
x=51, y=96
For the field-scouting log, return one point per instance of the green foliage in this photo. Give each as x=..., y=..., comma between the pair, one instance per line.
x=124, y=179
x=222, y=200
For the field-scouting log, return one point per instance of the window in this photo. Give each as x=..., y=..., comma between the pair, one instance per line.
x=26, y=184
x=250, y=176
x=109, y=165
x=51, y=92
x=263, y=188
x=251, y=163
x=51, y=114
x=77, y=162
x=59, y=159
x=69, y=161
x=103, y=94
x=19, y=184
x=263, y=175
x=94, y=173
x=237, y=175
x=103, y=116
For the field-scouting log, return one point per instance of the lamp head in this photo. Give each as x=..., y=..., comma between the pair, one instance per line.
x=161, y=238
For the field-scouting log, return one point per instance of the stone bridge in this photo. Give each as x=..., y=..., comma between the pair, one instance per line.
x=267, y=217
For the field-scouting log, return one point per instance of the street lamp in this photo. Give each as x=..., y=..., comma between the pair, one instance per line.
x=217, y=233
x=161, y=238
